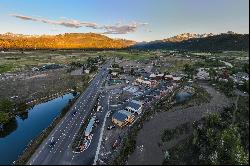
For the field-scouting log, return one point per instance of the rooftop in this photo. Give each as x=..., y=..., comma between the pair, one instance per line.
x=134, y=104
x=121, y=115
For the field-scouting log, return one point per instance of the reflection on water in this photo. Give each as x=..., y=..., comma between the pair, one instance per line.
x=26, y=126
x=24, y=115
x=8, y=128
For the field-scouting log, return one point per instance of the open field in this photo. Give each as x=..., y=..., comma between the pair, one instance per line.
x=15, y=61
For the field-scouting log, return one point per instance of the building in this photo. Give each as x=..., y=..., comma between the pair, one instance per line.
x=88, y=129
x=168, y=77
x=122, y=118
x=134, y=107
x=156, y=76
x=86, y=71
x=114, y=74
x=159, y=76
x=177, y=79
x=35, y=69
x=143, y=82
x=240, y=77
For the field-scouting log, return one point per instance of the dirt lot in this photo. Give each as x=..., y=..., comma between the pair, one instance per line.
x=148, y=151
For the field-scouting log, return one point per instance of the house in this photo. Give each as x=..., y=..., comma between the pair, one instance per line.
x=152, y=76
x=35, y=69
x=240, y=77
x=114, y=74
x=159, y=76
x=156, y=76
x=86, y=71
x=177, y=79
x=134, y=107
x=168, y=77
x=143, y=82
x=122, y=118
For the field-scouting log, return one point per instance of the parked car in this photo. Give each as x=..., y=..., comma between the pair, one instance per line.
x=111, y=127
x=74, y=113
x=52, y=142
x=97, y=121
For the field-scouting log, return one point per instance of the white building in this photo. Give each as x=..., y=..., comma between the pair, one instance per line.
x=86, y=71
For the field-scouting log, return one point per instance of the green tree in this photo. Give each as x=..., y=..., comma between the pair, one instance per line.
x=4, y=117
x=6, y=105
x=189, y=70
x=230, y=150
x=212, y=73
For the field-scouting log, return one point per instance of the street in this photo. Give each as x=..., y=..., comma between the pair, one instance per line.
x=65, y=132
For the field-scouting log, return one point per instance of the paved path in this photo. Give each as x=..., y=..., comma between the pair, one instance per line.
x=150, y=135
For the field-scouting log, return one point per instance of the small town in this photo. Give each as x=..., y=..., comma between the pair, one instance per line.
x=124, y=83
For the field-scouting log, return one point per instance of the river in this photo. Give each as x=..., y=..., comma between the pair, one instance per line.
x=20, y=131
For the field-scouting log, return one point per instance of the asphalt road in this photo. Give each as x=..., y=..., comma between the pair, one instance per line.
x=87, y=157
x=65, y=132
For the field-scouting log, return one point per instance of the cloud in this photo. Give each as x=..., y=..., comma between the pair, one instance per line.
x=122, y=29
x=23, y=17
x=108, y=29
x=66, y=23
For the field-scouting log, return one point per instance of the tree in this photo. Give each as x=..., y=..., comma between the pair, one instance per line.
x=212, y=73
x=4, y=118
x=230, y=150
x=6, y=105
x=246, y=67
x=189, y=70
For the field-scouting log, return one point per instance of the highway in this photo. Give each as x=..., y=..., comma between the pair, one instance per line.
x=65, y=132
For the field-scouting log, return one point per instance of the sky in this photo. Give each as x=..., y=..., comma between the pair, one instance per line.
x=139, y=20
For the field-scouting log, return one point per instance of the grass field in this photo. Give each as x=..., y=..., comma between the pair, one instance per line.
x=18, y=61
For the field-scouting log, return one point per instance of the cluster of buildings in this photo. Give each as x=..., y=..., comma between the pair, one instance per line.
x=126, y=116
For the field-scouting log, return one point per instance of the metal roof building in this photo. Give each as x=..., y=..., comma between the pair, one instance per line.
x=122, y=117
x=134, y=106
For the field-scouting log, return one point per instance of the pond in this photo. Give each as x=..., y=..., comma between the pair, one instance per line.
x=21, y=130
x=182, y=96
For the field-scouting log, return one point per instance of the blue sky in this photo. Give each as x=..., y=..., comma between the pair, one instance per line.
x=139, y=20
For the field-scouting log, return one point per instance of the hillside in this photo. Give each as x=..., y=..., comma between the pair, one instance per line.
x=61, y=41
x=226, y=41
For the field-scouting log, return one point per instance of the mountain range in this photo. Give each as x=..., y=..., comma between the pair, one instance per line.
x=199, y=42
x=185, y=41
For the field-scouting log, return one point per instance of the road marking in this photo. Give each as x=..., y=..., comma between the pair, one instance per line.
x=100, y=139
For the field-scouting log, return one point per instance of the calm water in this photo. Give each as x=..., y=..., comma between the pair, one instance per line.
x=182, y=96
x=23, y=129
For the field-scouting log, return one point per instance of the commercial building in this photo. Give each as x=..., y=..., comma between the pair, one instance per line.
x=122, y=118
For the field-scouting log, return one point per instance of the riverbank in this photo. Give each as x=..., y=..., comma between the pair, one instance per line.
x=6, y=117
x=34, y=144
